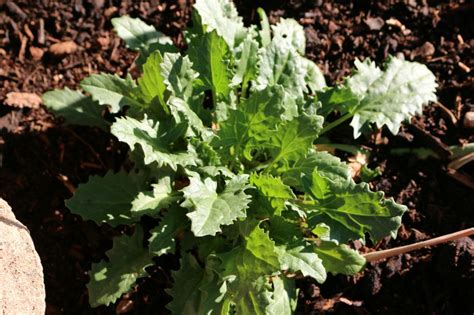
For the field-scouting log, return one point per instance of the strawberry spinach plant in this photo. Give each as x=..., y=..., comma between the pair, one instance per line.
x=221, y=139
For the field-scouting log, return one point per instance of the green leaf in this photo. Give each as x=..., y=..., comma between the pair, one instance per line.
x=221, y=16
x=281, y=65
x=339, y=258
x=322, y=231
x=254, y=117
x=301, y=258
x=162, y=240
x=137, y=34
x=284, y=298
x=210, y=209
x=254, y=258
x=195, y=290
x=178, y=75
x=151, y=202
x=127, y=262
x=353, y=211
x=328, y=165
x=246, y=62
x=182, y=113
x=290, y=142
x=75, y=107
x=314, y=76
x=288, y=30
x=107, y=199
x=155, y=142
x=264, y=33
x=151, y=82
x=390, y=96
x=273, y=190
x=108, y=89
x=210, y=57
x=245, y=267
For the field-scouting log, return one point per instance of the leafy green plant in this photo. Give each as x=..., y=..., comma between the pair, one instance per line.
x=222, y=143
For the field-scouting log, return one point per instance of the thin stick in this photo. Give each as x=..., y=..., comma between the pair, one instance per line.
x=378, y=255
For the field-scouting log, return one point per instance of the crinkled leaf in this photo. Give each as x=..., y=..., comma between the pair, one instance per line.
x=339, y=258
x=221, y=16
x=291, y=140
x=196, y=291
x=281, y=65
x=182, y=113
x=327, y=165
x=162, y=240
x=273, y=190
x=210, y=57
x=178, y=75
x=254, y=117
x=107, y=199
x=75, y=107
x=301, y=258
x=390, y=96
x=108, y=89
x=155, y=141
x=314, y=76
x=353, y=211
x=127, y=262
x=245, y=267
x=151, y=202
x=137, y=34
x=284, y=297
x=209, y=209
x=246, y=61
x=292, y=32
x=151, y=82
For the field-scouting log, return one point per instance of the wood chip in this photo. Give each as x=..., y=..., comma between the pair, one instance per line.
x=397, y=23
x=36, y=53
x=468, y=121
x=23, y=99
x=464, y=67
x=63, y=48
x=41, y=37
x=375, y=24
x=425, y=50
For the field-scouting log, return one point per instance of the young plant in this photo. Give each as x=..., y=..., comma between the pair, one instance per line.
x=221, y=138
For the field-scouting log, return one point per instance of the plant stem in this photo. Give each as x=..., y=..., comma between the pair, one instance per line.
x=336, y=123
x=378, y=255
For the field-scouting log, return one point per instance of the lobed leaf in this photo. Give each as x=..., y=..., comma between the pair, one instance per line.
x=209, y=210
x=107, y=199
x=108, y=89
x=155, y=142
x=339, y=258
x=127, y=262
x=353, y=211
x=75, y=107
x=221, y=16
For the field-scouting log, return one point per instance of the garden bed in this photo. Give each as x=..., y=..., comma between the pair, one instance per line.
x=43, y=161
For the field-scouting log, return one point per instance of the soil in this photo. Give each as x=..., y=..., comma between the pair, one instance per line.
x=42, y=161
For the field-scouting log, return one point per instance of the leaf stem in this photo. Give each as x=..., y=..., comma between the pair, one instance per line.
x=336, y=123
x=378, y=255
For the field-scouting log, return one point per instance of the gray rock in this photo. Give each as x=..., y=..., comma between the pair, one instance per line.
x=21, y=274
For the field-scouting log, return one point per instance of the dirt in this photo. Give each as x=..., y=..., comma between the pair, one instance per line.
x=42, y=161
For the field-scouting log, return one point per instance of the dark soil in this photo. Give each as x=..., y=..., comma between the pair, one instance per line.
x=41, y=161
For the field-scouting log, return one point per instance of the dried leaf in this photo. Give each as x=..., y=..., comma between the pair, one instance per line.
x=23, y=99
x=63, y=48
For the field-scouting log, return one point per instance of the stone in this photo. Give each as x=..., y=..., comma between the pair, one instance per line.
x=22, y=288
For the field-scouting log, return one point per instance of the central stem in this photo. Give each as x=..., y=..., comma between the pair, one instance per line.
x=336, y=123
